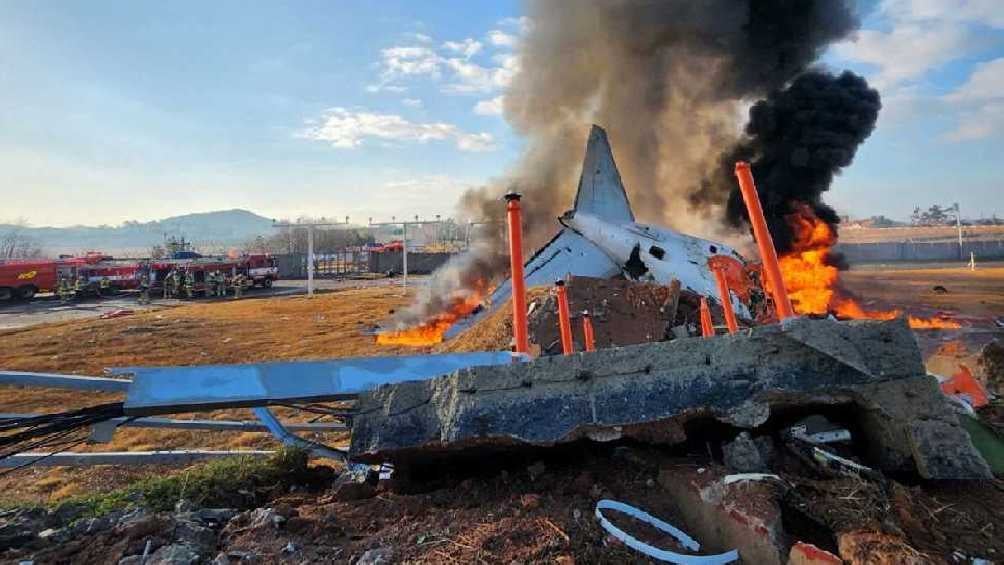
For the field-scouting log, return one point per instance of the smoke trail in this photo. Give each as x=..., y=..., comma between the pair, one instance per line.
x=667, y=79
x=797, y=139
x=465, y=276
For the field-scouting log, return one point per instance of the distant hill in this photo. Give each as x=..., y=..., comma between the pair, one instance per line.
x=209, y=231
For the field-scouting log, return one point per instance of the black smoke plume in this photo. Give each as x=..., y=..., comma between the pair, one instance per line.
x=796, y=140
x=667, y=79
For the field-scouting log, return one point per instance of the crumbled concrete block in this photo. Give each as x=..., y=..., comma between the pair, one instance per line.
x=638, y=390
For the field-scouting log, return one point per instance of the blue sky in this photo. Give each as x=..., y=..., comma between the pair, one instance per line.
x=121, y=110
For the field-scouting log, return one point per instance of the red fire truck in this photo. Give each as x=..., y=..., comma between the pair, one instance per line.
x=23, y=279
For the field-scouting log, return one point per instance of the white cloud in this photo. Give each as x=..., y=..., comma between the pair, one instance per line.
x=980, y=103
x=907, y=51
x=412, y=102
x=347, y=129
x=475, y=142
x=985, y=83
x=922, y=35
x=470, y=77
x=468, y=47
x=490, y=107
x=985, y=12
x=395, y=88
x=419, y=37
x=500, y=38
x=414, y=60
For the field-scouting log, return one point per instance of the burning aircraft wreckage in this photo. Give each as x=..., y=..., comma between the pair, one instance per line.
x=769, y=370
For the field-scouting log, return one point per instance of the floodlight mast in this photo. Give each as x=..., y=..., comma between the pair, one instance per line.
x=404, y=239
x=310, y=243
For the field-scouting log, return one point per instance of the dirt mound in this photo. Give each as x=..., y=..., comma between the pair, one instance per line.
x=623, y=312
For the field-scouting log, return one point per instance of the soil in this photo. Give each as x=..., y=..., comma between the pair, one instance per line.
x=494, y=513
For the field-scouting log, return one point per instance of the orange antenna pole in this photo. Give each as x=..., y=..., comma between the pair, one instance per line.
x=707, y=329
x=587, y=331
x=723, y=293
x=768, y=254
x=564, y=318
x=519, y=325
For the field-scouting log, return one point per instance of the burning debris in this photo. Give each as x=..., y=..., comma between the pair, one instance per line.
x=456, y=290
x=813, y=280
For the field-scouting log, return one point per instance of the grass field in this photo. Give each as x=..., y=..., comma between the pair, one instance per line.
x=330, y=325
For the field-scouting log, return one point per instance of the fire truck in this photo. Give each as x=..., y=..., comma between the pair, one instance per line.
x=23, y=279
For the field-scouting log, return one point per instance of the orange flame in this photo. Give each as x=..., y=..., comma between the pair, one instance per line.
x=814, y=285
x=432, y=330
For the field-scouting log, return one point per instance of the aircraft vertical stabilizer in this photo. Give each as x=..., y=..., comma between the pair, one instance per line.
x=601, y=192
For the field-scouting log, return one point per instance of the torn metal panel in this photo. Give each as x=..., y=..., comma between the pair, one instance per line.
x=159, y=390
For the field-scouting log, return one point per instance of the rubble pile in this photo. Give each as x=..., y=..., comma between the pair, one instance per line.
x=653, y=392
x=623, y=313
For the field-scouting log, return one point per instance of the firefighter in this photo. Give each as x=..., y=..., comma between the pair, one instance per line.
x=104, y=286
x=80, y=286
x=171, y=284
x=189, y=285
x=238, y=285
x=216, y=283
x=64, y=289
x=144, y=285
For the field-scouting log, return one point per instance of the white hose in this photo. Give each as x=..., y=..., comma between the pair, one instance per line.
x=652, y=551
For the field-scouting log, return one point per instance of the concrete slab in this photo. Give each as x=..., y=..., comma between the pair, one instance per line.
x=649, y=391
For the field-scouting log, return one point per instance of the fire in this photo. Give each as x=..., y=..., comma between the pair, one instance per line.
x=431, y=331
x=813, y=284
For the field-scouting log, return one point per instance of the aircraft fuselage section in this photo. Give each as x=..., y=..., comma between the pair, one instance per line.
x=655, y=254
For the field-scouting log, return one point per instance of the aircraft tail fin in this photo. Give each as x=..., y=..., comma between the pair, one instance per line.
x=601, y=192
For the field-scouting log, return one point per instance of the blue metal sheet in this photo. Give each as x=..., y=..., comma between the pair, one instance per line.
x=158, y=390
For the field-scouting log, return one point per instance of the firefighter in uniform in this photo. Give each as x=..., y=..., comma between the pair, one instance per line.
x=171, y=284
x=215, y=283
x=64, y=289
x=189, y=284
x=144, y=285
x=238, y=285
x=80, y=286
x=104, y=285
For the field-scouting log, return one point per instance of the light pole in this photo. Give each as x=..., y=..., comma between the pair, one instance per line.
x=404, y=240
x=310, y=244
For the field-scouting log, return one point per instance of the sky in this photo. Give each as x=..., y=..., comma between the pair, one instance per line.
x=124, y=110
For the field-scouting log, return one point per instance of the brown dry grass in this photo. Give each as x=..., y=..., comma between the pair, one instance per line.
x=975, y=294
x=329, y=325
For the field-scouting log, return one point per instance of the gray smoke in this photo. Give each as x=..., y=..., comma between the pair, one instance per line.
x=668, y=79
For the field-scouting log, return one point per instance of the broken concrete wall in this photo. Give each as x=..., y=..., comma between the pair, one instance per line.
x=649, y=391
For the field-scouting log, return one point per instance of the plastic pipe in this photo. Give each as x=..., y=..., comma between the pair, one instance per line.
x=587, y=331
x=519, y=324
x=707, y=328
x=723, y=293
x=768, y=254
x=564, y=318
